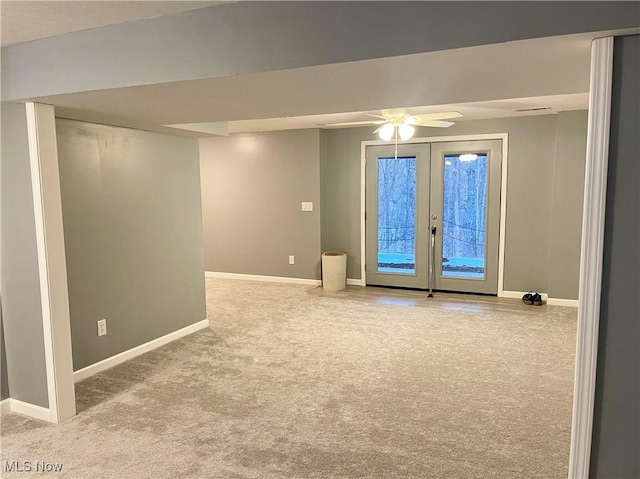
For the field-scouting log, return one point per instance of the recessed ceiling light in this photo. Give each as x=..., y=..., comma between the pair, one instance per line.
x=535, y=108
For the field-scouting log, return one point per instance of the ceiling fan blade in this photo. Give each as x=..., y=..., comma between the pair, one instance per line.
x=357, y=123
x=435, y=123
x=447, y=115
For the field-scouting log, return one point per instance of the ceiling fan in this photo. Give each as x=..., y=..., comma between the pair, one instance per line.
x=400, y=123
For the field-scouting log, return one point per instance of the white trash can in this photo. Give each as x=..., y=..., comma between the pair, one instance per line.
x=334, y=270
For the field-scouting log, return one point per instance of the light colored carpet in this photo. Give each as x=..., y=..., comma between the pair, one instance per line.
x=290, y=383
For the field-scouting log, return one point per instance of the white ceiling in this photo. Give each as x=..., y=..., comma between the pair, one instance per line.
x=23, y=21
x=482, y=110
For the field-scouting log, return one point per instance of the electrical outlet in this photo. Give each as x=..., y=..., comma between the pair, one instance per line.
x=292, y=259
x=102, y=327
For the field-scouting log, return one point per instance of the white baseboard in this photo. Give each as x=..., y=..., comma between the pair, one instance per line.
x=27, y=409
x=268, y=279
x=137, y=351
x=5, y=406
x=274, y=279
x=572, y=303
x=545, y=297
x=520, y=294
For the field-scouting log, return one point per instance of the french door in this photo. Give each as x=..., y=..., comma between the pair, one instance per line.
x=397, y=199
x=433, y=215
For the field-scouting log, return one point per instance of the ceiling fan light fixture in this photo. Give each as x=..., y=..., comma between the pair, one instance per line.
x=406, y=131
x=386, y=132
x=467, y=157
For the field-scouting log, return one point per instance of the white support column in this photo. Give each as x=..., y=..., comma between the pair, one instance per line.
x=595, y=192
x=45, y=178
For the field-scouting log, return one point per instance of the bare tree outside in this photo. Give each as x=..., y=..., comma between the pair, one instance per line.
x=397, y=213
x=463, y=215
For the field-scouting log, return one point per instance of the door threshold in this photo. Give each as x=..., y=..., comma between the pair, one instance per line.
x=426, y=290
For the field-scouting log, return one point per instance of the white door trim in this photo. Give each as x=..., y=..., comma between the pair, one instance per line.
x=47, y=207
x=595, y=192
x=363, y=208
x=503, y=214
x=439, y=139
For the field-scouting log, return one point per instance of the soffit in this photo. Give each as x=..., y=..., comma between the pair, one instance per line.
x=490, y=81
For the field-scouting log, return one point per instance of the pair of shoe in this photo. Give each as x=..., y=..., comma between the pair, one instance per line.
x=532, y=298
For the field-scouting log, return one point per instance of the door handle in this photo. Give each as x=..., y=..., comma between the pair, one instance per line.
x=432, y=268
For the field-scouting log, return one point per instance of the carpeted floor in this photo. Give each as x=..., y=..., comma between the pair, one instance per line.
x=293, y=383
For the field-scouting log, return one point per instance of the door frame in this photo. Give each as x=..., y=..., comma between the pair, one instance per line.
x=439, y=139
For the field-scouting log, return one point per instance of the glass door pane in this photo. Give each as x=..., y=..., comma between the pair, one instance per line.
x=397, y=215
x=464, y=215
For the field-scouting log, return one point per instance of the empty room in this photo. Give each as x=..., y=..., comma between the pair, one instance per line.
x=319, y=239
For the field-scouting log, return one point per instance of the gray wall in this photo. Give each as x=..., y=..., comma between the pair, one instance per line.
x=249, y=37
x=21, y=306
x=133, y=236
x=4, y=379
x=544, y=189
x=567, y=201
x=616, y=427
x=252, y=187
x=323, y=180
x=340, y=193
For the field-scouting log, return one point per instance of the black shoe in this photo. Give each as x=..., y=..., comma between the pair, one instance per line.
x=528, y=299
x=536, y=299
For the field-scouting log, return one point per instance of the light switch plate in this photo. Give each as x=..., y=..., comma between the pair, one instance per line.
x=307, y=206
x=102, y=327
